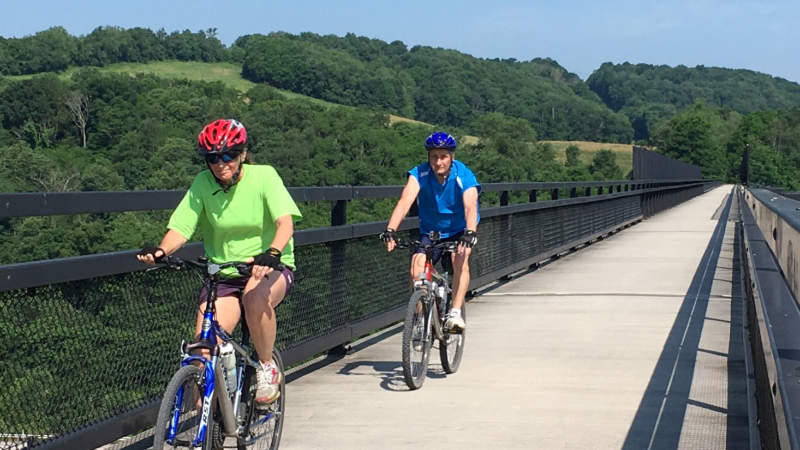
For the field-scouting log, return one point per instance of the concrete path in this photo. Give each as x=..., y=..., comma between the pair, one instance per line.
x=632, y=342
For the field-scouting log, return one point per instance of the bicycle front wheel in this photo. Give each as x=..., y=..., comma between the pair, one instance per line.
x=262, y=425
x=180, y=410
x=451, y=347
x=416, y=341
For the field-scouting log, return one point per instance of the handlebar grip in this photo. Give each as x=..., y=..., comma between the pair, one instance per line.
x=245, y=269
x=402, y=243
x=171, y=260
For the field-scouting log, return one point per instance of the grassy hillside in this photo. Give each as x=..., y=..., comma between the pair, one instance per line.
x=393, y=119
x=230, y=75
x=227, y=73
x=623, y=152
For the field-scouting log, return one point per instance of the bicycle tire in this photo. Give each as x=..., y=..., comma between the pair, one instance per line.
x=416, y=351
x=191, y=377
x=262, y=427
x=215, y=439
x=451, y=346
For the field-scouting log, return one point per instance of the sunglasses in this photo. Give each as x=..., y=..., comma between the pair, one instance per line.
x=225, y=157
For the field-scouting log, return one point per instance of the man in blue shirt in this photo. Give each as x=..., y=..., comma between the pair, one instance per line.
x=446, y=192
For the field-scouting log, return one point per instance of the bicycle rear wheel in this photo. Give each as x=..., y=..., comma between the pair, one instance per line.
x=181, y=405
x=262, y=426
x=416, y=347
x=451, y=347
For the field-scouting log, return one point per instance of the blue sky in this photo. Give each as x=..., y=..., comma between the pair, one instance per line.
x=580, y=35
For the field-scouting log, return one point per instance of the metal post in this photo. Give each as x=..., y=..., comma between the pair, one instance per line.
x=338, y=264
x=504, y=198
x=744, y=169
x=532, y=195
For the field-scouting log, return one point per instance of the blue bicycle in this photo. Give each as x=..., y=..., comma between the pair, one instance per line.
x=209, y=403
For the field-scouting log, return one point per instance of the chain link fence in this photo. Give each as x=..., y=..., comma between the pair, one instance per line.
x=86, y=361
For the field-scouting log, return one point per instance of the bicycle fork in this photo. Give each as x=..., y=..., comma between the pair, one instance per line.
x=213, y=373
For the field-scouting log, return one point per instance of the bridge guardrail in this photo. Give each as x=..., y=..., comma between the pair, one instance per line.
x=778, y=217
x=93, y=313
x=774, y=318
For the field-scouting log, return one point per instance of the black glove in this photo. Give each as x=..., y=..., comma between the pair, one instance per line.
x=389, y=235
x=468, y=239
x=270, y=258
x=152, y=251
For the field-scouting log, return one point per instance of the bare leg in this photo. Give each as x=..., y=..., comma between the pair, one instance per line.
x=460, y=277
x=259, y=300
x=417, y=266
x=227, y=315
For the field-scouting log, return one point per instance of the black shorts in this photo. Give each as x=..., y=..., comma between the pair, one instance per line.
x=227, y=287
x=437, y=252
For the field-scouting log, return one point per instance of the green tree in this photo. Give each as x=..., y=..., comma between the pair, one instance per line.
x=689, y=137
x=573, y=155
x=649, y=95
x=604, y=166
x=575, y=170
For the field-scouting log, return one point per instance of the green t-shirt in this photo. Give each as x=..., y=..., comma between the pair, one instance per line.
x=240, y=223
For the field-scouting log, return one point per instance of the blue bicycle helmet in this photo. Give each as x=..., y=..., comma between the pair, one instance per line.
x=440, y=140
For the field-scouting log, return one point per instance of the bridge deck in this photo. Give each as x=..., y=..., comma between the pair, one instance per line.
x=635, y=341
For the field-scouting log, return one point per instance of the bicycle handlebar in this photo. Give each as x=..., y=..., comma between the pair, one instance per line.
x=175, y=262
x=447, y=246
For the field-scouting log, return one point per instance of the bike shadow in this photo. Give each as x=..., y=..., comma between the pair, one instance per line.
x=390, y=373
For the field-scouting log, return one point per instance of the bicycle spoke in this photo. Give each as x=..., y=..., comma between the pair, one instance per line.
x=451, y=348
x=184, y=387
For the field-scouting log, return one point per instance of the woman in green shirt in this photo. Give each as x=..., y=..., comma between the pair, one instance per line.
x=244, y=213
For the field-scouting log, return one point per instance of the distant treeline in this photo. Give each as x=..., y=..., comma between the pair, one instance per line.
x=105, y=131
x=617, y=103
x=140, y=133
x=715, y=137
x=649, y=94
x=55, y=49
x=432, y=84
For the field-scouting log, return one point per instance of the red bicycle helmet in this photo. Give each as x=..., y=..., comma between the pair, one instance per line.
x=220, y=136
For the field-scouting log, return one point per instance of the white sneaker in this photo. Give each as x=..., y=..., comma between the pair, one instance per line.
x=455, y=321
x=269, y=383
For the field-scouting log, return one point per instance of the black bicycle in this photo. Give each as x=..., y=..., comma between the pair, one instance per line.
x=210, y=402
x=427, y=311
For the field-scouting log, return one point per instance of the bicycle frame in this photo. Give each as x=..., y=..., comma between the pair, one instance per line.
x=431, y=279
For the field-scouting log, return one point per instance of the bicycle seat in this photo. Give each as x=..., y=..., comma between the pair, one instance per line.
x=203, y=343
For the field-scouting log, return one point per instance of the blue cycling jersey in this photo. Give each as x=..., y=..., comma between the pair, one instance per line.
x=441, y=206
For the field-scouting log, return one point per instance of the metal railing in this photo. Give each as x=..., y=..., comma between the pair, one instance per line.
x=774, y=320
x=119, y=327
